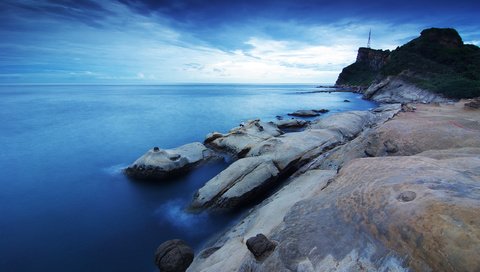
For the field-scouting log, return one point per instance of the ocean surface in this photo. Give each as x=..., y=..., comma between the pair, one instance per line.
x=64, y=203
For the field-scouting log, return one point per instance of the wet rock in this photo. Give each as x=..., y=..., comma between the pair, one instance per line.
x=305, y=113
x=260, y=246
x=160, y=164
x=321, y=111
x=346, y=100
x=243, y=136
x=173, y=256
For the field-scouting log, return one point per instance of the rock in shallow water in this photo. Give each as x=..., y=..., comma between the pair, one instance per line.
x=173, y=256
x=158, y=163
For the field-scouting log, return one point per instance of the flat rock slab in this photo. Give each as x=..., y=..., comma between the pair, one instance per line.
x=380, y=211
x=291, y=123
x=308, y=113
x=159, y=163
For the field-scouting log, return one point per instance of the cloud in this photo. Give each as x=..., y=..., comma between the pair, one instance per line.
x=195, y=41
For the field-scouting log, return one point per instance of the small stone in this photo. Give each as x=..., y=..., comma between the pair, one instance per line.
x=346, y=100
x=260, y=246
x=156, y=149
x=173, y=256
x=407, y=196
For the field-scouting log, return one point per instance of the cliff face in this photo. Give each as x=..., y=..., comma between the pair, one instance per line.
x=438, y=61
x=364, y=70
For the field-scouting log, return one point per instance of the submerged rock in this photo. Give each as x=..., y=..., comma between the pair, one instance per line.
x=243, y=136
x=173, y=256
x=158, y=163
x=308, y=113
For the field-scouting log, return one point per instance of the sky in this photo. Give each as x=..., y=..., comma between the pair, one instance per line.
x=216, y=41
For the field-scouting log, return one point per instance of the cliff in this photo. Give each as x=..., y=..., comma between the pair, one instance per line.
x=437, y=62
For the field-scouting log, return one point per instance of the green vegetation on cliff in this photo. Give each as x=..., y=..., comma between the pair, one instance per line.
x=437, y=61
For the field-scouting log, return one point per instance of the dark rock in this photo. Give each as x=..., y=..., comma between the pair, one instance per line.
x=407, y=196
x=156, y=149
x=279, y=117
x=321, y=111
x=260, y=246
x=346, y=100
x=173, y=256
x=305, y=113
x=473, y=104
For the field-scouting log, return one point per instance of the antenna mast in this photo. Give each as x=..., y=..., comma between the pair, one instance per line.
x=369, y=36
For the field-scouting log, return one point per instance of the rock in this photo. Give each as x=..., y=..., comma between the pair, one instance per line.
x=408, y=107
x=380, y=211
x=394, y=89
x=305, y=113
x=412, y=132
x=291, y=123
x=348, y=124
x=321, y=111
x=243, y=136
x=160, y=164
x=268, y=161
x=263, y=219
x=173, y=256
x=260, y=246
x=346, y=100
x=473, y=104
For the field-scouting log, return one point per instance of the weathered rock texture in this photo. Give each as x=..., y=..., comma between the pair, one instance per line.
x=394, y=89
x=414, y=210
x=243, y=136
x=158, y=163
x=173, y=256
x=267, y=161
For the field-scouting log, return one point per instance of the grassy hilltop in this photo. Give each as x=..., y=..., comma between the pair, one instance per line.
x=438, y=61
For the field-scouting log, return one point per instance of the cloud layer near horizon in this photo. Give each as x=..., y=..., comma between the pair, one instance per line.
x=131, y=41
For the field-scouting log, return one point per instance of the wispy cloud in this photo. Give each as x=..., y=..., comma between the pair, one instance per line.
x=191, y=41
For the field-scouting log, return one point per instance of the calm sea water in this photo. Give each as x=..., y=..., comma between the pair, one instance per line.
x=64, y=204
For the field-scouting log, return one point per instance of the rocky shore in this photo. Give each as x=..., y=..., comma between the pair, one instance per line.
x=396, y=188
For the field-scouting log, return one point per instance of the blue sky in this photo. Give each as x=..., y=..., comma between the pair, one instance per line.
x=155, y=42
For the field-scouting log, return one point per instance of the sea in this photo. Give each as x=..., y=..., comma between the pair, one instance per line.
x=65, y=204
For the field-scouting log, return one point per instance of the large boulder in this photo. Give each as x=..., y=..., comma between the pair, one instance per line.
x=243, y=136
x=173, y=256
x=159, y=163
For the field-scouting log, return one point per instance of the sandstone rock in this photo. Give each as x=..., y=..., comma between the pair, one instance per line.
x=380, y=211
x=173, y=256
x=428, y=128
x=349, y=124
x=260, y=246
x=267, y=161
x=290, y=123
x=241, y=137
x=158, y=163
x=395, y=90
x=262, y=219
x=305, y=113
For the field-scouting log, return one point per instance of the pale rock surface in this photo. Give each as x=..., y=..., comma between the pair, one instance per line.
x=395, y=90
x=160, y=163
x=243, y=136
